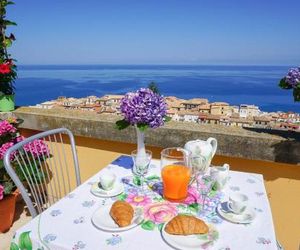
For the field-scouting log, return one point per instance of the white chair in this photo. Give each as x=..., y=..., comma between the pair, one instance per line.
x=45, y=179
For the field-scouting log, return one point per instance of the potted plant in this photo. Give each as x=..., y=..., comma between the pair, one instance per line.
x=37, y=149
x=8, y=192
x=292, y=81
x=8, y=70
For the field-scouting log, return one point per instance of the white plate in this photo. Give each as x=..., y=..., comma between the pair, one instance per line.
x=189, y=242
x=244, y=218
x=102, y=220
x=116, y=190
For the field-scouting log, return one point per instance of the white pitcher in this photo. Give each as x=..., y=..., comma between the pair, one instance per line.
x=206, y=149
x=220, y=174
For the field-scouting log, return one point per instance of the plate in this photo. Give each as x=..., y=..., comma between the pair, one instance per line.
x=102, y=220
x=246, y=217
x=191, y=242
x=117, y=189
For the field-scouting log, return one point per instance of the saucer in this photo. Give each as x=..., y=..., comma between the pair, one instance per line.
x=116, y=190
x=189, y=242
x=102, y=220
x=246, y=217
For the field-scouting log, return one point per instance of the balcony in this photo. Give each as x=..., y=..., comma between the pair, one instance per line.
x=273, y=154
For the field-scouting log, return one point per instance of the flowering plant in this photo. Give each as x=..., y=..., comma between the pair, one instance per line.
x=8, y=69
x=37, y=149
x=143, y=108
x=292, y=81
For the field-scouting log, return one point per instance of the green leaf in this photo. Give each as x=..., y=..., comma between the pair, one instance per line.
x=7, y=42
x=14, y=246
x=153, y=87
x=194, y=207
x=153, y=177
x=122, y=124
x=296, y=94
x=283, y=84
x=25, y=241
x=167, y=118
x=142, y=126
x=160, y=226
x=7, y=22
x=122, y=197
x=137, y=181
x=148, y=225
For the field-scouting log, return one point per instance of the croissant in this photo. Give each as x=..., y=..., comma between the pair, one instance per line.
x=122, y=213
x=186, y=225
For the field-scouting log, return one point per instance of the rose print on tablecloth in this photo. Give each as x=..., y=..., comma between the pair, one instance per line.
x=49, y=237
x=88, y=203
x=138, y=200
x=79, y=245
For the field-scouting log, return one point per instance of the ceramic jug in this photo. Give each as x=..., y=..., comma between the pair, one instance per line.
x=220, y=174
x=205, y=149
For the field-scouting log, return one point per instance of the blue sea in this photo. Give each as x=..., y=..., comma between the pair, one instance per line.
x=233, y=84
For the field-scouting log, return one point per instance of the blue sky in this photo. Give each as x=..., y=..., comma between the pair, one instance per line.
x=156, y=32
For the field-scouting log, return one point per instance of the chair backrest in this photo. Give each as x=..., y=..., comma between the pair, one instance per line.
x=44, y=168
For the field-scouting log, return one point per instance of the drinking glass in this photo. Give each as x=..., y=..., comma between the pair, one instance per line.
x=141, y=163
x=176, y=173
x=204, y=186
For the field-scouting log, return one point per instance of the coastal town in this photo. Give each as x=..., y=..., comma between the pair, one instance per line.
x=196, y=110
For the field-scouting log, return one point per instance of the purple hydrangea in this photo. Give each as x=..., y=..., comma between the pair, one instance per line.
x=144, y=107
x=293, y=77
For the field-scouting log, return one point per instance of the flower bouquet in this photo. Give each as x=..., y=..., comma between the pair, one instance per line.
x=142, y=109
x=292, y=81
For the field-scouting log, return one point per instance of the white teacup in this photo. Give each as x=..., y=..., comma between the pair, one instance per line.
x=237, y=203
x=107, y=180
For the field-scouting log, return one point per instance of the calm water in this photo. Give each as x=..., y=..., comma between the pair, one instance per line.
x=234, y=84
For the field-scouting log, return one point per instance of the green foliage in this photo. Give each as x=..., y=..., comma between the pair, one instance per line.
x=148, y=225
x=153, y=87
x=6, y=79
x=296, y=94
x=142, y=126
x=14, y=246
x=122, y=124
x=25, y=241
x=283, y=84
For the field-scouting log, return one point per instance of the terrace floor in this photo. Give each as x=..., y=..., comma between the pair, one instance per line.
x=282, y=182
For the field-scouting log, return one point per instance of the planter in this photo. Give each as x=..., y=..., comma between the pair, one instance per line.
x=7, y=211
x=7, y=103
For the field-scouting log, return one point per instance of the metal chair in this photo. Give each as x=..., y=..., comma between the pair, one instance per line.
x=44, y=174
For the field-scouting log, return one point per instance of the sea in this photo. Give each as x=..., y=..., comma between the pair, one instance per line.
x=233, y=84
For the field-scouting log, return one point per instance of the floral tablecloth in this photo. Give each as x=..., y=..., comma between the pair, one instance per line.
x=67, y=224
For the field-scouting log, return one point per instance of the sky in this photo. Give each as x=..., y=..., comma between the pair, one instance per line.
x=231, y=32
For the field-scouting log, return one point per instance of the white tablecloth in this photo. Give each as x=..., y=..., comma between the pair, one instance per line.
x=67, y=224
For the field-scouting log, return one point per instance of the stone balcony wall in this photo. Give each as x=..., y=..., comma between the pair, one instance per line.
x=257, y=144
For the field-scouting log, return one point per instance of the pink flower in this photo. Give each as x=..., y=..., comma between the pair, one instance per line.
x=4, y=148
x=138, y=200
x=160, y=212
x=6, y=127
x=193, y=196
x=37, y=148
x=1, y=192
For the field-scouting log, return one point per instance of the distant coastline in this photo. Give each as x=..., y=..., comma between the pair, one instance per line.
x=235, y=84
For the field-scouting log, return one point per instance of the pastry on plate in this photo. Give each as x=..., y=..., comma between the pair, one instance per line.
x=122, y=213
x=186, y=225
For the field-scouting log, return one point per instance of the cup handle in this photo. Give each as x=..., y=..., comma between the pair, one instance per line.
x=229, y=208
x=214, y=144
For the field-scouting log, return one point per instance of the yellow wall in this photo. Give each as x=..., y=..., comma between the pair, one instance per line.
x=282, y=180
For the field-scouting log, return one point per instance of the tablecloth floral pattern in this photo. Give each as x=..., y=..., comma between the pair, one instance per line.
x=67, y=224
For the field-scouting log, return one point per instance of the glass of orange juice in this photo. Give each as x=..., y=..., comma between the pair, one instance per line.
x=175, y=173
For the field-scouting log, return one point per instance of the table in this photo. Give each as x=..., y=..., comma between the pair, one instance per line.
x=67, y=224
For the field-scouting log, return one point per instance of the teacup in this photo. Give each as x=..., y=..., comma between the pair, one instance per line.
x=237, y=203
x=107, y=180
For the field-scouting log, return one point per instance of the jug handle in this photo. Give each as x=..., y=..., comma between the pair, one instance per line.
x=214, y=144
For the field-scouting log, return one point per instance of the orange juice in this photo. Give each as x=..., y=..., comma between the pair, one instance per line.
x=175, y=181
